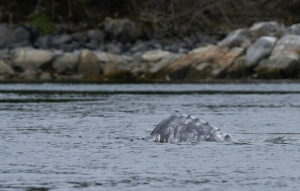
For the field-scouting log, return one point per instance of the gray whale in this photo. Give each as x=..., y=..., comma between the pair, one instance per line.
x=187, y=128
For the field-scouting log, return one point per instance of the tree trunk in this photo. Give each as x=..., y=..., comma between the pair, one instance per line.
x=70, y=12
x=37, y=7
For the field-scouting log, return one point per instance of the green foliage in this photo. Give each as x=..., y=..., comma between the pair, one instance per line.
x=42, y=23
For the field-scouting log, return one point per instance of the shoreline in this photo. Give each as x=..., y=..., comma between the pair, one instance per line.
x=220, y=81
x=264, y=51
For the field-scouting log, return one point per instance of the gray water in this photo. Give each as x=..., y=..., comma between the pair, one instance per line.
x=90, y=137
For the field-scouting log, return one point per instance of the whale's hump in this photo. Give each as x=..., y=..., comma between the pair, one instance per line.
x=186, y=128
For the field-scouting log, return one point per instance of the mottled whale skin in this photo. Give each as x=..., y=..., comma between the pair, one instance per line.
x=187, y=128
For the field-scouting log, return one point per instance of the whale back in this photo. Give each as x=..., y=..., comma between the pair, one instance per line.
x=186, y=128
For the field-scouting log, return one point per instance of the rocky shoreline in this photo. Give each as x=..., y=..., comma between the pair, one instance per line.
x=119, y=53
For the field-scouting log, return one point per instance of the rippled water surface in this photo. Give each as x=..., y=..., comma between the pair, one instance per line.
x=90, y=137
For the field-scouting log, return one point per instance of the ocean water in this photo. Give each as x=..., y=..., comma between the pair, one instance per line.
x=91, y=137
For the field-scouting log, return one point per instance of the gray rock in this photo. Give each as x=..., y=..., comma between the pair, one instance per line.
x=21, y=37
x=261, y=49
x=5, y=69
x=139, y=46
x=71, y=47
x=92, y=45
x=154, y=55
x=284, y=60
x=288, y=45
x=239, y=68
x=31, y=59
x=59, y=40
x=29, y=75
x=13, y=37
x=237, y=38
x=279, y=67
x=115, y=64
x=171, y=48
x=103, y=56
x=271, y=28
x=63, y=42
x=113, y=68
x=89, y=65
x=221, y=67
x=66, y=62
x=201, y=67
x=115, y=48
x=96, y=35
x=294, y=29
x=124, y=30
x=43, y=42
x=154, y=44
x=155, y=67
x=5, y=36
x=5, y=54
x=81, y=37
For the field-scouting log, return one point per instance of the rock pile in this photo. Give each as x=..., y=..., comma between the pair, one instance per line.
x=266, y=50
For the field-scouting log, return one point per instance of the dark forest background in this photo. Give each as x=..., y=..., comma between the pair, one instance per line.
x=159, y=18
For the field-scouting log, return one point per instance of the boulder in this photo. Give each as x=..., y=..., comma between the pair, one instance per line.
x=63, y=42
x=13, y=36
x=119, y=68
x=117, y=64
x=21, y=37
x=237, y=38
x=187, y=66
x=81, y=37
x=29, y=75
x=210, y=53
x=261, y=49
x=270, y=28
x=286, y=46
x=103, y=56
x=59, y=40
x=43, y=42
x=5, y=54
x=225, y=62
x=294, y=29
x=5, y=70
x=114, y=48
x=66, y=62
x=116, y=67
x=157, y=65
x=113, y=68
x=153, y=44
x=124, y=30
x=199, y=55
x=155, y=55
x=204, y=62
x=92, y=45
x=5, y=36
x=96, y=34
x=280, y=67
x=31, y=59
x=239, y=68
x=284, y=61
x=139, y=46
x=89, y=65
